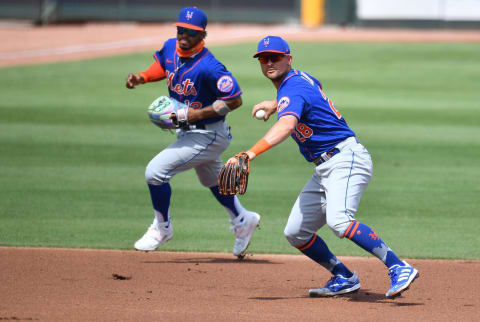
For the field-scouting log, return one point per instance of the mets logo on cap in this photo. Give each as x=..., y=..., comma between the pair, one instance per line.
x=189, y=15
x=266, y=41
x=283, y=103
x=225, y=84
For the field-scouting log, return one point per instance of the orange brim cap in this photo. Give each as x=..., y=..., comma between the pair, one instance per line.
x=272, y=44
x=187, y=25
x=192, y=18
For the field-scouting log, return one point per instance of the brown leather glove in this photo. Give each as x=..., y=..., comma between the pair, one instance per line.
x=233, y=177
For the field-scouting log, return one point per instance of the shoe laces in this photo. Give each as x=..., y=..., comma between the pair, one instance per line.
x=393, y=273
x=158, y=228
x=152, y=230
x=393, y=276
x=236, y=227
x=331, y=280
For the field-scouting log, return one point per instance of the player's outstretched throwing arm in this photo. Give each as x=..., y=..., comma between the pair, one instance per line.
x=279, y=132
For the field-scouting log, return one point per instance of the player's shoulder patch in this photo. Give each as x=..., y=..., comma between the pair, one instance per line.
x=282, y=103
x=225, y=84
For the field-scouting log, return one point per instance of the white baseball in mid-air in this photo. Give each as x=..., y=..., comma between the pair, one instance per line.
x=260, y=114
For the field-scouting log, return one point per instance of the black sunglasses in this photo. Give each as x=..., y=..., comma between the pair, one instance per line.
x=190, y=32
x=273, y=58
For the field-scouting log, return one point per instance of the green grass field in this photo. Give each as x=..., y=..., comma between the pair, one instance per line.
x=74, y=143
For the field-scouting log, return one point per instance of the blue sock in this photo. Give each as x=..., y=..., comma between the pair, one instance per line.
x=161, y=198
x=365, y=237
x=226, y=201
x=318, y=251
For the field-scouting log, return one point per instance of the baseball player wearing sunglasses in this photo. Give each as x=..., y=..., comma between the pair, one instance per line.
x=342, y=171
x=197, y=79
x=190, y=32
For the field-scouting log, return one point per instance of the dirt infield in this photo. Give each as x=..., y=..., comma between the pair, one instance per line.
x=25, y=44
x=107, y=285
x=100, y=285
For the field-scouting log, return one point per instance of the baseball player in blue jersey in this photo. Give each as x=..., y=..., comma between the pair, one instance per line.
x=343, y=169
x=209, y=91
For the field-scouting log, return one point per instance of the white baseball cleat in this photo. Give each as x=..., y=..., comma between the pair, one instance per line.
x=243, y=227
x=156, y=235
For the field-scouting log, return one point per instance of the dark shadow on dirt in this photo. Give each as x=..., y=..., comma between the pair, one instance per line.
x=365, y=296
x=273, y=298
x=362, y=296
x=213, y=260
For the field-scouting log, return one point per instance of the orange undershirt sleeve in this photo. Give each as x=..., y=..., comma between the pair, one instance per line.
x=154, y=73
x=261, y=146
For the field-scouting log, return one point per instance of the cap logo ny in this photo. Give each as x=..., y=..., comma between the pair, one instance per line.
x=189, y=15
x=266, y=42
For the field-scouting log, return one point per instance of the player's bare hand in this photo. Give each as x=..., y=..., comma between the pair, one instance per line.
x=232, y=160
x=133, y=80
x=269, y=107
x=173, y=117
x=182, y=116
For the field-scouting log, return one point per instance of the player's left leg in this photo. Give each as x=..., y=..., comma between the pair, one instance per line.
x=207, y=175
x=401, y=273
x=349, y=179
x=243, y=222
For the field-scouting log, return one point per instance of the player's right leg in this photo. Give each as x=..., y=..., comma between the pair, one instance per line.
x=306, y=217
x=180, y=156
x=161, y=230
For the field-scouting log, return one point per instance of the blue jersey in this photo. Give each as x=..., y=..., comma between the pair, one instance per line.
x=320, y=126
x=197, y=81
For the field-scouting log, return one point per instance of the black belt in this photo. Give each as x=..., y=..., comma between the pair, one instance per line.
x=325, y=156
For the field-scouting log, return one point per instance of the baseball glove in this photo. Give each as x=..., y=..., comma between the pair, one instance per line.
x=162, y=108
x=233, y=177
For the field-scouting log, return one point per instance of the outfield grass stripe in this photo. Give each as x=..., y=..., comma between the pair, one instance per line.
x=74, y=144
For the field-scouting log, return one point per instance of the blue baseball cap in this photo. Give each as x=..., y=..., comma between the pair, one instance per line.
x=192, y=18
x=272, y=44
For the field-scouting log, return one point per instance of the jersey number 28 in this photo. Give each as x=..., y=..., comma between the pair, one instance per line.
x=303, y=132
